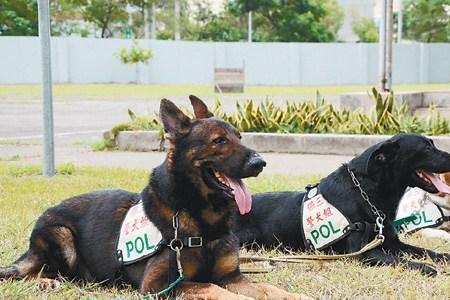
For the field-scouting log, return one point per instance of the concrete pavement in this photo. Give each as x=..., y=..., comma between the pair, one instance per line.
x=277, y=163
x=79, y=123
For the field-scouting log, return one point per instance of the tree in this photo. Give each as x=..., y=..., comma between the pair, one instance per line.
x=103, y=13
x=18, y=17
x=366, y=30
x=65, y=17
x=143, y=6
x=211, y=27
x=427, y=20
x=166, y=20
x=335, y=16
x=295, y=20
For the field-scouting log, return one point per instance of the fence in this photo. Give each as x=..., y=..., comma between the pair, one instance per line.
x=85, y=60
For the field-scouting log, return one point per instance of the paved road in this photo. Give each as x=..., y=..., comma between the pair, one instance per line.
x=80, y=119
x=277, y=163
x=78, y=123
x=76, y=118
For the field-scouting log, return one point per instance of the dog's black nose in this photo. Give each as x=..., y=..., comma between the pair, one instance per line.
x=256, y=162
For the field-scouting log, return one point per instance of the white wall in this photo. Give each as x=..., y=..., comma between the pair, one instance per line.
x=82, y=60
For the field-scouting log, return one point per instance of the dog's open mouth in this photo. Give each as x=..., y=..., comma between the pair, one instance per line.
x=232, y=187
x=432, y=183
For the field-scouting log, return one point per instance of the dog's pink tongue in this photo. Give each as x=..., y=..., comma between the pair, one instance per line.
x=439, y=184
x=242, y=195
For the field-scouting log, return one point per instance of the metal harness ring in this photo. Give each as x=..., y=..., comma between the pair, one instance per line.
x=176, y=244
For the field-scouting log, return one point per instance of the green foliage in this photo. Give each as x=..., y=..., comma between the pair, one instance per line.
x=335, y=16
x=294, y=20
x=143, y=122
x=103, y=145
x=135, y=54
x=222, y=27
x=18, y=17
x=66, y=169
x=32, y=170
x=166, y=20
x=435, y=124
x=10, y=158
x=315, y=117
x=103, y=13
x=65, y=16
x=287, y=21
x=366, y=30
x=427, y=20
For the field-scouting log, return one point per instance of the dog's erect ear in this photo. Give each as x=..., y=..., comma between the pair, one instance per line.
x=175, y=122
x=384, y=154
x=200, y=109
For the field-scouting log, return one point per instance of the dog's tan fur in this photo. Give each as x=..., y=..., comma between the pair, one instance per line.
x=443, y=200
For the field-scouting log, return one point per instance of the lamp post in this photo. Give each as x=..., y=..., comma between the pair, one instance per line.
x=385, y=45
x=47, y=101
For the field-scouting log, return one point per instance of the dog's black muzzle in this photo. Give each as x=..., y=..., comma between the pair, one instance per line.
x=255, y=163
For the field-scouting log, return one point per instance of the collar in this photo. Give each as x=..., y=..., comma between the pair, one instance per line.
x=180, y=242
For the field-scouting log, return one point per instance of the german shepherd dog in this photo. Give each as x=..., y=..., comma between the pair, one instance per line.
x=384, y=171
x=199, y=182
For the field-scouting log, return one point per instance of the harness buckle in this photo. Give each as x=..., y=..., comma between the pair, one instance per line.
x=119, y=255
x=194, y=241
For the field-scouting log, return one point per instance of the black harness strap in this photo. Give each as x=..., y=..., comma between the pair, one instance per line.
x=180, y=242
x=361, y=226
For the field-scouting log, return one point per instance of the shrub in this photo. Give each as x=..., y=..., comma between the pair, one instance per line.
x=366, y=30
x=144, y=122
x=315, y=117
x=134, y=55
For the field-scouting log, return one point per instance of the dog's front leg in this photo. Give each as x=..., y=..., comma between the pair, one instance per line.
x=400, y=247
x=242, y=285
x=201, y=290
x=155, y=274
x=379, y=257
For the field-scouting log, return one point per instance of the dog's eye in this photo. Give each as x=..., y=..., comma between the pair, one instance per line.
x=428, y=148
x=220, y=141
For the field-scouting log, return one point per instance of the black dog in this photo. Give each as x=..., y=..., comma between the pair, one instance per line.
x=190, y=199
x=384, y=171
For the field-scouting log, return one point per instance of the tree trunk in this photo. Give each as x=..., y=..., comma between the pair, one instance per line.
x=177, y=20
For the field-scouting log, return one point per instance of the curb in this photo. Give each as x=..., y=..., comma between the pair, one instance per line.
x=337, y=144
x=414, y=100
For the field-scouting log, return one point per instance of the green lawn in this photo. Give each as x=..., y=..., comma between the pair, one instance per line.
x=132, y=91
x=24, y=195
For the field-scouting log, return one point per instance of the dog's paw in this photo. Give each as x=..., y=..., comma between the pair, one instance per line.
x=47, y=284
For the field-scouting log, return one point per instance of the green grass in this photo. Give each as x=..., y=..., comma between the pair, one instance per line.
x=25, y=194
x=103, y=145
x=100, y=145
x=10, y=158
x=132, y=91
